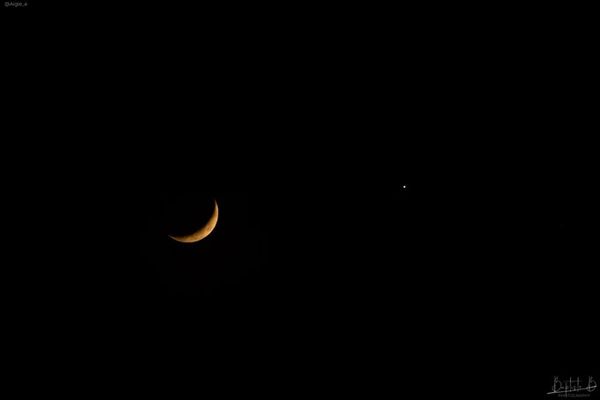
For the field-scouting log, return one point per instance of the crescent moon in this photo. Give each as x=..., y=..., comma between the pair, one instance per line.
x=202, y=232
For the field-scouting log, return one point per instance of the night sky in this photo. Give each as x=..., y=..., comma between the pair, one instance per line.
x=345, y=254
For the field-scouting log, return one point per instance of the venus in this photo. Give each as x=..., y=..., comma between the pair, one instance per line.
x=202, y=232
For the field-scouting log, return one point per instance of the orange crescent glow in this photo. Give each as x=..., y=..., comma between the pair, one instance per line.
x=202, y=232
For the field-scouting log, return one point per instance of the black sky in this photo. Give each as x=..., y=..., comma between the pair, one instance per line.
x=322, y=261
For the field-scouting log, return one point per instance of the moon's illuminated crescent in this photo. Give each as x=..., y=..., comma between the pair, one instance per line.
x=202, y=232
